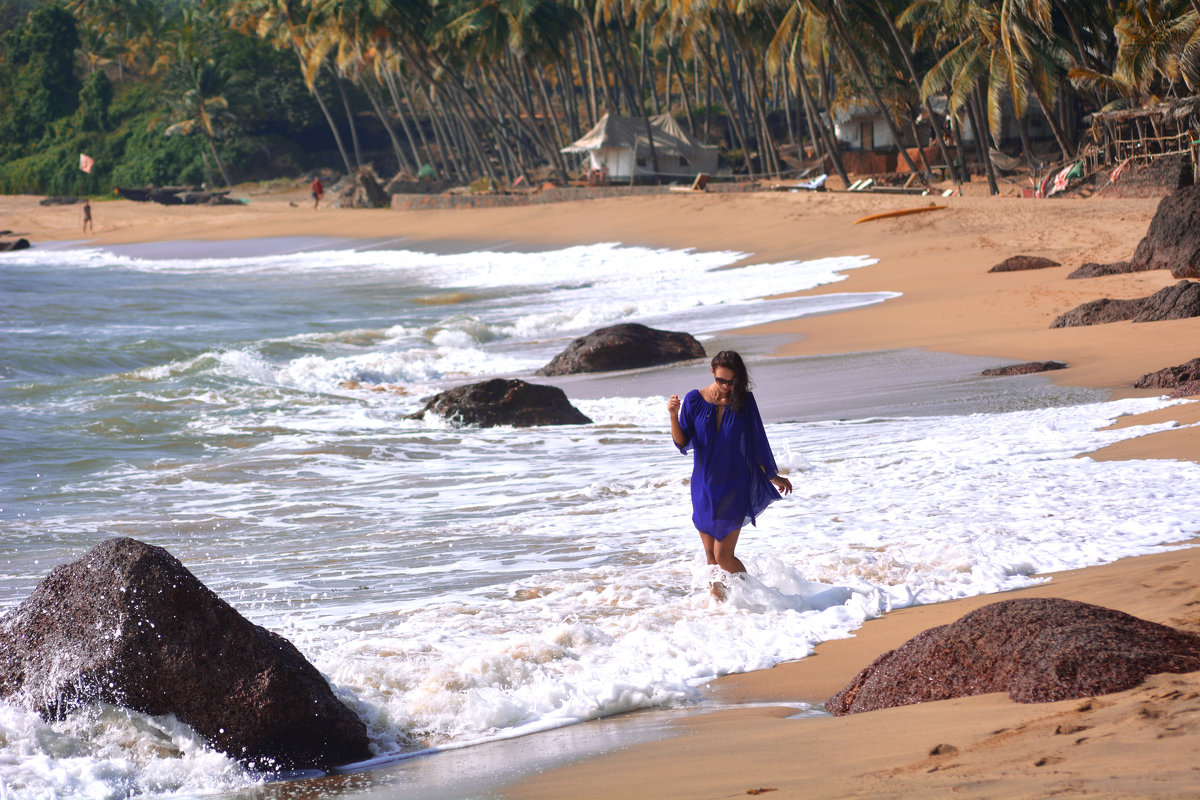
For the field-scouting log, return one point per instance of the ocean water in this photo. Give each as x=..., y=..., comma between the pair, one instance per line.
x=246, y=407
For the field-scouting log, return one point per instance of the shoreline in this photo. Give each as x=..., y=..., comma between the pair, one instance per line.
x=948, y=303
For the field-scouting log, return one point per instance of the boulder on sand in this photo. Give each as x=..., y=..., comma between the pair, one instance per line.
x=129, y=625
x=1181, y=301
x=14, y=244
x=1036, y=649
x=1173, y=239
x=1021, y=263
x=504, y=402
x=1170, y=377
x=625, y=346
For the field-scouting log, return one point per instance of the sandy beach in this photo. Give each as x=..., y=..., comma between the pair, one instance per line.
x=1138, y=743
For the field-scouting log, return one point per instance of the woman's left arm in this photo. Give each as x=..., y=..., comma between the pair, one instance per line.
x=762, y=448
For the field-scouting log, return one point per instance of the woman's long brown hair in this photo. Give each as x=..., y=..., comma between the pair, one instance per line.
x=741, y=376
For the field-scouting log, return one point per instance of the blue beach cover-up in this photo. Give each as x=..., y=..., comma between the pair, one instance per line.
x=733, y=464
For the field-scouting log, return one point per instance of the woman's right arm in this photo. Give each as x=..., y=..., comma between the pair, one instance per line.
x=677, y=434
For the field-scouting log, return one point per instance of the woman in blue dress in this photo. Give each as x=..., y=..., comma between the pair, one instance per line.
x=734, y=476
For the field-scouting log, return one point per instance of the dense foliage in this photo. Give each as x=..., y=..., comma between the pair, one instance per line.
x=174, y=91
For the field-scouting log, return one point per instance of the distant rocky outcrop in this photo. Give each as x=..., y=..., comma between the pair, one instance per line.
x=1020, y=263
x=1036, y=649
x=128, y=624
x=14, y=244
x=1173, y=239
x=504, y=402
x=360, y=190
x=1181, y=301
x=626, y=346
x=1028, y=368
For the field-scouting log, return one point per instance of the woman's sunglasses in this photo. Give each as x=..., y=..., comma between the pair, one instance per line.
x=723, y=381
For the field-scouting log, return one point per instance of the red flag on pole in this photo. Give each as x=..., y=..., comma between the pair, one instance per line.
x=85, y=163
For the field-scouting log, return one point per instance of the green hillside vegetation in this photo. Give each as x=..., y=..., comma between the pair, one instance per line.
x=184, y=91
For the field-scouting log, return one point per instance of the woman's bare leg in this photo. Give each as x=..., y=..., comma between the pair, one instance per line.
x=720, y=554
x=726, y=560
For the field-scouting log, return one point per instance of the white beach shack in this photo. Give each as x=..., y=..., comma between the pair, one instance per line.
x=617, y=148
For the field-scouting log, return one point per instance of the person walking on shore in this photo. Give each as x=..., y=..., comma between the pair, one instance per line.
x=318, y=190
x=87, y=216
x=734, y=477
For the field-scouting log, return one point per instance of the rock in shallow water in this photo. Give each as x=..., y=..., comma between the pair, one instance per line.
x=1036, y=649
x=625, y=346
x=504, y=402
x=129, y=625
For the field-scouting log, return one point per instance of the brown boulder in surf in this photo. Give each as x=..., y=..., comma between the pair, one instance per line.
x=628, y=345
x=504, y=402
x=129, y=625
x=1036, y=649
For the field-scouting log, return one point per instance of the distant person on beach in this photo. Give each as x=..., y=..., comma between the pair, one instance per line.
x=734, y=476
x=87, y=216
x=317, y=191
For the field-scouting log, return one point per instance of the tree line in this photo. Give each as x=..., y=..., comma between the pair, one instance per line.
x=493, y=89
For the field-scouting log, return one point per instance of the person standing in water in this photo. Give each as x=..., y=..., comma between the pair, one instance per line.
x=734, y=476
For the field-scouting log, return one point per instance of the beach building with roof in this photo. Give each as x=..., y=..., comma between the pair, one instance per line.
x=619, y=149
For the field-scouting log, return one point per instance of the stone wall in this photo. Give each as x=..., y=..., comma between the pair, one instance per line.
x=557, y=194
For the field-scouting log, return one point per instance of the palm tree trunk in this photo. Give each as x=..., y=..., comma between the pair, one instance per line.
x=337, y=137
x=337, y=80
x=814, y=117
x=683, y=96
x=610, y=102
x=220, y=164
x=586, y=82
x=864, y=76
x=418, y=156
x=739, y=134
x=426, y=149
x=377, y=105
x=906, y=51
x=1056, y=128
x=975, y=107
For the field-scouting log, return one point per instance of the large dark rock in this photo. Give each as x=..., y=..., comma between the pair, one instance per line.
x=14, y=244
x=504, y=402
x=1037, y=649
x=1099, y=312
x=1028, y=368
x=1021, y=263
x=625, y=346
x=1181, y=301
x=1170, y=377
x=1173, y=239
x=129, y=625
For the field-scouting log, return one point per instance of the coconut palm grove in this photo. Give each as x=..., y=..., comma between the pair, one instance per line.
x=488, y=92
